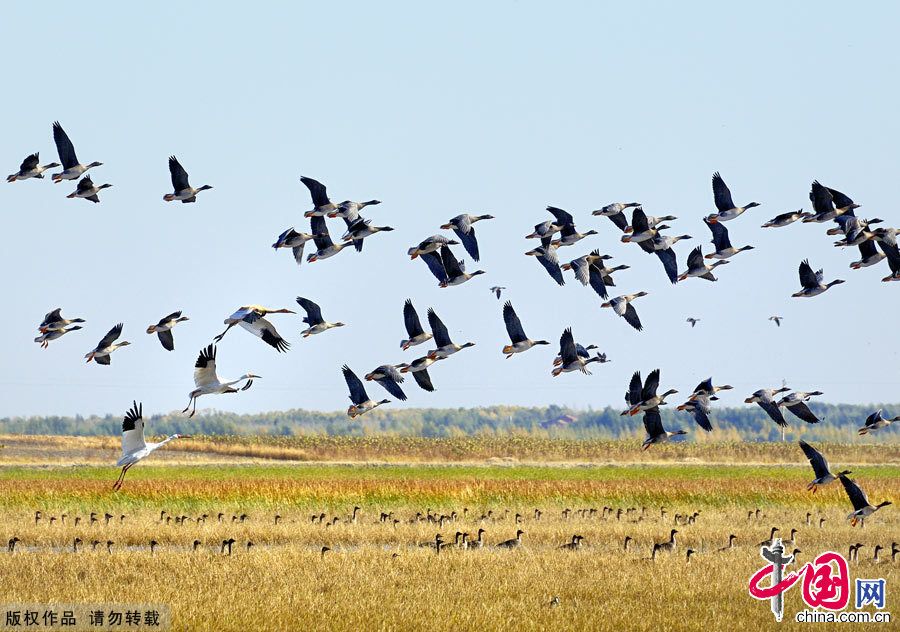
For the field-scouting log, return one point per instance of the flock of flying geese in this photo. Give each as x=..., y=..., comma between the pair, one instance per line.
x=593, y=269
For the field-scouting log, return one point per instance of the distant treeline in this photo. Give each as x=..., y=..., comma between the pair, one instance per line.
x=749, y=423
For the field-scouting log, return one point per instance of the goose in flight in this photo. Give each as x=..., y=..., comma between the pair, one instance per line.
x=31, y=168
x=547, y=257
x=416, y=334
x=108, y=344
x=54, y=320
x=615, y=213
x=252, y=318
x=321, y=204
x=583, y=352
x=649, y=399
x=706, y=388
x=359, y=229
x=693, y=321
x=419, y=369
x=361, y=402
x=163, y=329
x=813, y=282
x=661, y=246
x=462, y=225
x=796, y=404
x=862, y=508
x=456, y=270
x=622, y=306
x=724, y=204
x=820, y=468
x=568, y=234
x=208, y=383
x=430, y=244
x=87, y=191
x=445, y=346
x=350, y=210
x=498, y=290
x=892, y=254
x=325, y=248
x=868, y=255
x=72, y=169
x=570, y=359
x=590, y=270
x=721, y=242
x=697, y=267
x=293, y=240
x=519, y=341
x=765, y=397
x=134, y=447
x=779, y=221
x=777, y=320
x=314, y=319
x=876, y=421
x=551, y=227
x=641, y=228
x=827, y=204
x=183, y=190
x=54, y=334
x=389, y=378
x=655, y=431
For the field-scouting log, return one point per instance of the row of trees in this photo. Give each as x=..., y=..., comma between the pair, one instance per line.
x=840, y=422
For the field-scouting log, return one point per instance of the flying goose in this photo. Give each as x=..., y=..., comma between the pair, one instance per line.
x=321, y=204
x=54, y=320
x=134, y=446
x=456, y=270
x=293, y=240
x=207, y=382
x=795, y=403
x=765, y=397
x=419, y=369
x=820, y=467
x=862, y=508
x=107, y=345
x=721, y=242
x=520, y=342
x=350, y=210
x=547, y=257
x=445, y=346
x=497, y=289
x=661, y=247
x=812, y=282
x=570, y=359
x=724, y=204
x=53, y=334
x=163, y=329
x=655, y=431
x=876, y=421
x=31, y=168
x=583, y=352
x=868, y=255
x=359, y=229
x=615, y=213
x=777, y=320
x=389, y=378
x=698, y=406
x=827, y=204
x=252, y=318
x=622, y=306
x=693, y=321
x=325, y=248
x=314, y=319
x=462, y=225
x=785, y=219
x=87, y=191
x=649, y=398
x=551, y=227
x=641, y=228
x=706, y=388
x=892, y=254
x=430, y=245
x=697, y=267
x=183, y=190
x=72, y=169
x=414, y=330
x=590, y=270
x=569, y=236
x=361, y=402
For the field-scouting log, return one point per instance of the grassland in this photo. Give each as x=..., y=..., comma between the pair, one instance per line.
x=377, y=577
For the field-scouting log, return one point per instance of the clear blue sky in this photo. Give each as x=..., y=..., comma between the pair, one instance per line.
x=501, y=108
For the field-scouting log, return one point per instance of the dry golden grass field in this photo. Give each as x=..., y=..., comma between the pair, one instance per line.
x=376, y=576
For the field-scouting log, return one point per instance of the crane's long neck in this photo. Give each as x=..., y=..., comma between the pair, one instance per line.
x=165, y=441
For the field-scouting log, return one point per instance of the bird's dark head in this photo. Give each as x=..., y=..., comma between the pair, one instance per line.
x=104, y=186
x=477, y=272
x=485, y=217
x=884, y=504
x=751, y=205
x=384, y=401
x=541, y=342
x=183, y=436
x=95, y=164
x=468, y=344
x=590, y=232
x=387, y=228
x=205, y=187
x=74, y=327
x=446, y=226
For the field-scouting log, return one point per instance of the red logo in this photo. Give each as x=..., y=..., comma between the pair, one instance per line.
x=826, y=582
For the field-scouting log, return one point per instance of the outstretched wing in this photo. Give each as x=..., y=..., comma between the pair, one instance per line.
x=631, y=317
x=597, y=282
x=469, y=242
x=774, y=412
x=855, y=493
x=321, y=236
x=802, y=411
x=701, y=416
x=451, y=265
x=391, y=381
x=633, y=394
x=435, y=264
x=85, y=184
x=651, y=384
x=411, y=319
x=821, y=198
x=808, y=278
x=818, y=462
x=840, y=199
x=357, y=390
x=720, y=238
x=423, y=380
x=562, y=217
x=653, y=422
x=670, y=263
x=133, y=430
x=438, y=329
x=166, y=339
x=313, y=312
x=513, y=324
x=29, y=163
x=110, y=336
x=64, y=147
x=205, y=367
x=179, y=175
x=550, y=262
x=567, y=350
x=317, y=191
x=721, y=193
x=619, y=220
